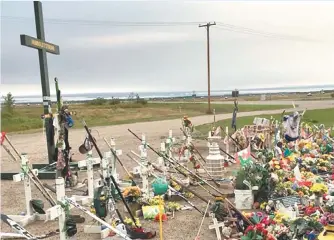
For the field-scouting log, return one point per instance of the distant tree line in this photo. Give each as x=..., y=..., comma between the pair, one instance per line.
x=133, y=98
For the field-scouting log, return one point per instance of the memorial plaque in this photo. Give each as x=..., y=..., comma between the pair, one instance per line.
x=288, y=201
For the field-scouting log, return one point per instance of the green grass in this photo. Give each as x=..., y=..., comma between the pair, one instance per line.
x=26, y=118
x=319, y=116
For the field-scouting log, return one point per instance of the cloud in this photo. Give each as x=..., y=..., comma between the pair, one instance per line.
x=132, y=38
x=170, y=58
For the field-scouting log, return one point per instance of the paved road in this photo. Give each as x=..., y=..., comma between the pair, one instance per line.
x=34, y=143
x=274, y=102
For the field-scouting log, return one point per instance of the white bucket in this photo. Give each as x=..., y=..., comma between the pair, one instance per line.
x=244, y=199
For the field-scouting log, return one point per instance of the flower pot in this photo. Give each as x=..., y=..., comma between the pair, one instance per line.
x=318, y=201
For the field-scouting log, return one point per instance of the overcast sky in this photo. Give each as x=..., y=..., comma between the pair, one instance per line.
x=104, y=57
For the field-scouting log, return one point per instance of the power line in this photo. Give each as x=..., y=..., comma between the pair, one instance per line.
x=104, y=22
x=239, y=29
x=220, y=26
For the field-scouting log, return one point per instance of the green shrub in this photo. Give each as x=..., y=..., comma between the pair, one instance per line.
x=141, y=101
x=98, y=101
x=115, y=101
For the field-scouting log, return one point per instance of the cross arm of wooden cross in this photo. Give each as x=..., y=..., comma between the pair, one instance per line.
x=39, y=44
x=216, y=226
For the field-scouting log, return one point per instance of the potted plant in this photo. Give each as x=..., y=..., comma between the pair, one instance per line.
x=253, y=180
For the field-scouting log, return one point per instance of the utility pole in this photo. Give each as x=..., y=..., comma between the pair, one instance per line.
x=207, y=26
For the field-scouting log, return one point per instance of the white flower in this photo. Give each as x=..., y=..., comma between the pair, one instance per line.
x=274, y=177
x=270, y=228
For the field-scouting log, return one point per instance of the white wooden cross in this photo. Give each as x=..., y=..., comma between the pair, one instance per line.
x=113, y=159
x=57, y=211
x=29, y=216
x=216, y=226
x=169, y=141
x=144, y=168
x=89, y=162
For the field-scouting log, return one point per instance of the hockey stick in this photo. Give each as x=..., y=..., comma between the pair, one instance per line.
x=78, y=206
x=22, y=232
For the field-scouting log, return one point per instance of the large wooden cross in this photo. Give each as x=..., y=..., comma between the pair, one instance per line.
x=43, y=47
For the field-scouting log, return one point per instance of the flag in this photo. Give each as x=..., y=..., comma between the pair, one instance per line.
x=297, y=173
x=243, y=157
x=2, y=138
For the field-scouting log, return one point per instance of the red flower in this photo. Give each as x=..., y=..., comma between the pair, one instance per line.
x=259, y=228
x=266, y=221
x=271, y=237
x=249, y=228
x=305, y=183
x=310, y=210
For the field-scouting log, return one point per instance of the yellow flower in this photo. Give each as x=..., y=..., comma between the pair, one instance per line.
x=263, y=205
x=319, y=188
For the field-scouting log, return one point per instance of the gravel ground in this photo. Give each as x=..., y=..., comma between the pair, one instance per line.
x=185, y=224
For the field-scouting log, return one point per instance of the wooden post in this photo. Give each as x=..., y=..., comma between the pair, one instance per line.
x=43, y=47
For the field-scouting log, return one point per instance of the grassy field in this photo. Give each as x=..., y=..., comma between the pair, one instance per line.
x=26, y=118
x=319, y=116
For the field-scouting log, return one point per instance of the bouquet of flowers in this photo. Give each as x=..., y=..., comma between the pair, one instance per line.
x=330, y=205
x=327, y=219
x=131, y=194
x=319, y=189
x=257, y=231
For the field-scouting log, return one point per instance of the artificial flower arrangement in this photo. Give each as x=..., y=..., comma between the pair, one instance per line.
x=265, y=155
x=327, y=219
x=265, y=227
x=178, y=188
x=156, y=200
x=319, y=189
x=310, y=210
x=281, y=227
x=129, y=222
x=330, y=205
x=131, y=194
x=274, y=164
x=257, y=232
x=173, y=206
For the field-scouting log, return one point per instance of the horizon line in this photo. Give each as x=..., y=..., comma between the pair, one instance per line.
x=181, y=91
